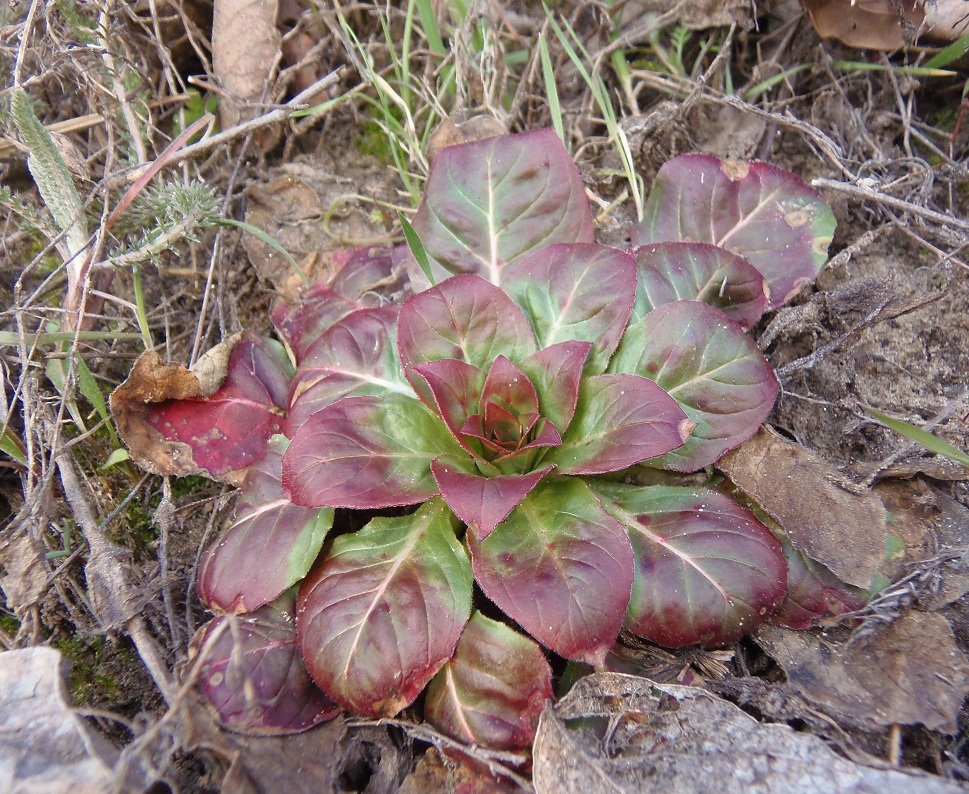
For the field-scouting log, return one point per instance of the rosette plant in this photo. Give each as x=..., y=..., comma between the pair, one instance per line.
x=515, y=429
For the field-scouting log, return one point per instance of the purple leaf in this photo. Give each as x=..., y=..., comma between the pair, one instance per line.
x=360, y=275
x=556, y=372
x=464, y=318
x=813, y=592
x=561, y=567
x=620, y=420
x=363, y=270
x=355, y=357
x=229, y=429
x=712, y=368
x=707, y=571
x=303, y=323
x=490, y=203
x=670, y=272
x=580, y=293
x=366, y=452
x=765, y=214
x=509, y=387
x=251, y=672
x=482, y=502
x=233, y=577
x=383, y=613
x=455, y=388
x=494, y=689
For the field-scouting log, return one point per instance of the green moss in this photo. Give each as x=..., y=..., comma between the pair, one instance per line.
x=9, y=624
x=373, y=141
x=89, y=680
x=137, y=527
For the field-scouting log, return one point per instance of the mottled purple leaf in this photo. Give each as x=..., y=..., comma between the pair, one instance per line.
x=580, y=293
x=619, y=420
x=712, y=368
x=251, y=672
x=561, y=567
x=229, y=430
x=482, y=502
x=765, y=214
x=707, y=571
x=383, y=613
x=492, y=692
x=464, y=318
x=366, y=452
x=235, y=578
x=556, y=372
x=355, y=357
x=670, y=272
x=813, y=592
x=490, y=203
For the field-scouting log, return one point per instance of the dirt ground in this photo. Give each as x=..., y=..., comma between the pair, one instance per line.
x=99, y=561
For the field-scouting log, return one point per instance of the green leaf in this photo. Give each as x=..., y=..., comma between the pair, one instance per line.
x=490, y=203
x=384, y=612
x=494, y=689
x=707, y=570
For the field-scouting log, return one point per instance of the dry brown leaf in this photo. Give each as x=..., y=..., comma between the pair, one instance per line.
x=868, y=24
x=666, y=738
x=934, y=527
x=909, y=672
x=452, y=132
x=245, y=45
x=45, y=748
x=22, y=558
x=311, y=213
x=151, y=381
x=841, y=528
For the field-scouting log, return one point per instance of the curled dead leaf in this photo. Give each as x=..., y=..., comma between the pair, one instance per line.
x=152, y=381
x=247, y=382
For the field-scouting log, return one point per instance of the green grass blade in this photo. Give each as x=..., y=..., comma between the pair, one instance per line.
x=551, y=90
x=923, y=437
x=12, y=338
x=917, y=71
x=953, y=52
x=425, y=10
x=13, y=446
x=416, y=246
